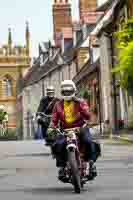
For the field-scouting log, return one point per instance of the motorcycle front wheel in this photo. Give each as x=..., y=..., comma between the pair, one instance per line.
x=75, y=170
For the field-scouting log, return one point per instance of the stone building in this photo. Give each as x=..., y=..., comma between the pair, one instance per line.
x=14, y=61
x=88, y=77
x=115, y=101
x=52, y=71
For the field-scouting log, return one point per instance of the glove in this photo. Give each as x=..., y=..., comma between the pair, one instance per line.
x=50, y=131
x=51, y=134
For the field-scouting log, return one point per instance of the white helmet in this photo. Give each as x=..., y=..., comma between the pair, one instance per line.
x=68, y=89
x=50, y=91
x=2, y=107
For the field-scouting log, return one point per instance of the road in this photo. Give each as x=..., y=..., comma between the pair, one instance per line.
x=27, y=172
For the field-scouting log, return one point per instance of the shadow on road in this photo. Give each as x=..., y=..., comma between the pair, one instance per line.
x=50, y=191
x=29, y=155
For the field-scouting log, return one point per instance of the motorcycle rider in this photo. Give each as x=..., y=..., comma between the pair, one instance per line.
x=72, y=112
x=46, y=106
x=3, y=117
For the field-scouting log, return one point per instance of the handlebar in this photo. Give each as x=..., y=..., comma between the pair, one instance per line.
x=72, y=129
x=43, y=114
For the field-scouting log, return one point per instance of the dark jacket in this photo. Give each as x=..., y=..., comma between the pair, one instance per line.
x=43, y=106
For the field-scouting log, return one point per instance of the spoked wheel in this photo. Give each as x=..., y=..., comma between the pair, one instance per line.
x=75, y=171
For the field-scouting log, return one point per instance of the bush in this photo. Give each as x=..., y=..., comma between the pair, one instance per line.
x=10, y=134
x=84, y=93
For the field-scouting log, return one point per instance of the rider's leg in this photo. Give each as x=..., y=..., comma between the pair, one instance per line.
x=87, y=140
x=44, y=130
x=60, y=155
x=91, y=150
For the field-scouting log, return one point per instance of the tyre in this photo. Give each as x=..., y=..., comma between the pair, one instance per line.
x=82, y=184
x=75, y=171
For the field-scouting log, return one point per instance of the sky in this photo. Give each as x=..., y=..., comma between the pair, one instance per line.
x=15, y=13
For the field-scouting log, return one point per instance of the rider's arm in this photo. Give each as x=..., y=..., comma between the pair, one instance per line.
x=85, y=109
x=55, y=117
x=42, y=105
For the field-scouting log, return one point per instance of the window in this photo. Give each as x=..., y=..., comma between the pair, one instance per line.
x=7, y=87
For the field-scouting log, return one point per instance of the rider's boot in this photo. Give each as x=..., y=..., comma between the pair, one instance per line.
x=61, y=173
x=92, y=170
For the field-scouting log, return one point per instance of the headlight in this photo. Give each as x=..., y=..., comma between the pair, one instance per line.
x=71, y=135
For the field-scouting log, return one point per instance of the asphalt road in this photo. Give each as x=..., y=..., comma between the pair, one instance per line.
x=27, y=172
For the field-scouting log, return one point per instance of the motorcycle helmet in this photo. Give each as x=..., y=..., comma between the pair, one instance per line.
x=68, y=90
x=50, y=91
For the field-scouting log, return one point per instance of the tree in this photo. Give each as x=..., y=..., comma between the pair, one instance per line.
x=84, y=93
x=125, y=56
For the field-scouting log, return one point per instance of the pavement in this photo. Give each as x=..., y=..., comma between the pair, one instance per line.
x=126, y=138
x=27, y=171
x=123, y=137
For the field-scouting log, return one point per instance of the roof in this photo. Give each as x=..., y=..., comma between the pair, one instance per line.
x=107, y=18
x=68, y=55
x=90, y=28
x=104, y=6
x=87, y=69
x=67, y=58
x=38, y=71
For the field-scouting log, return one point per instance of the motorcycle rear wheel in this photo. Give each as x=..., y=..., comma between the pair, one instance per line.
x=75, y=171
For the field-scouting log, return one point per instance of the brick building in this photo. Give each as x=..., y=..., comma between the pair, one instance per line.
x=87, y=11
x=62, y=18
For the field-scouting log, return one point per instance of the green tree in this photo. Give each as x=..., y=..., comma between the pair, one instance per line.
x=125, y=56
x=84, y=93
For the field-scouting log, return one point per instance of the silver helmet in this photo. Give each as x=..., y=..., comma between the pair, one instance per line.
x=50, y=91
x=68, y=89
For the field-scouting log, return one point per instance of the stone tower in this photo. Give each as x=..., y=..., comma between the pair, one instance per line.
x=14, y=62
x=62, y=18
x=87, y=11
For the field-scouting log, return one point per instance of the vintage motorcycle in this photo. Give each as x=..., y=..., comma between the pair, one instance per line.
x=75, y=170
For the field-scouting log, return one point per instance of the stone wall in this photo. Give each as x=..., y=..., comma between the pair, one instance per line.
x=31, y=99
x=106, y=80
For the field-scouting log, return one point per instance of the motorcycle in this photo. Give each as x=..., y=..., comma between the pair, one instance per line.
x=75, y=171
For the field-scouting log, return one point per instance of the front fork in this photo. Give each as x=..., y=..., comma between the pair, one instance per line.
x=72, y=145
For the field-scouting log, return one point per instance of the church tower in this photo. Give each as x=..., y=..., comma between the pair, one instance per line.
x=87, y=11
x=62, y=17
